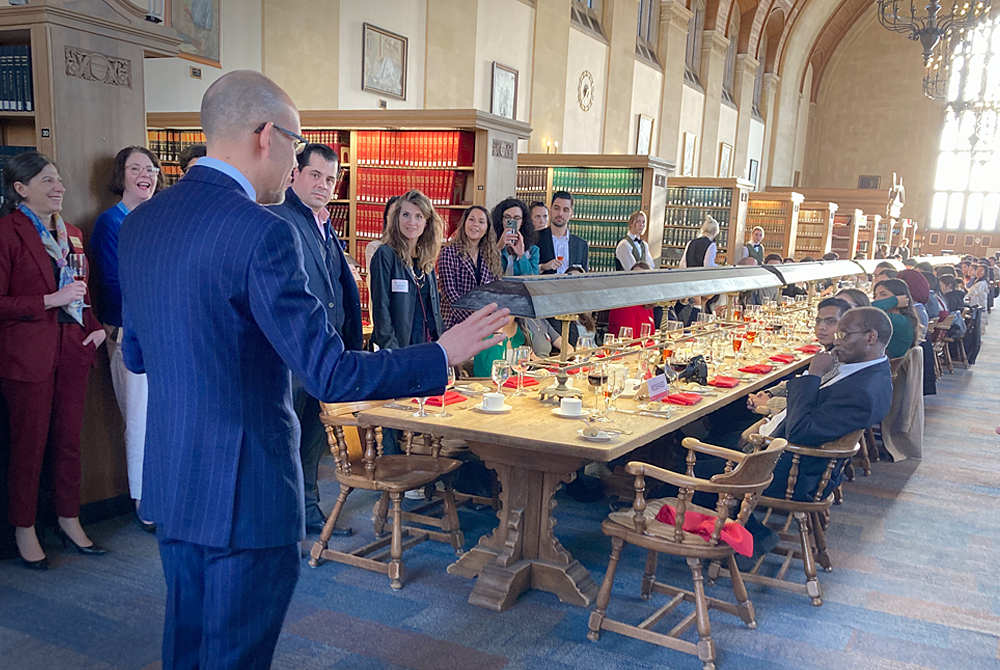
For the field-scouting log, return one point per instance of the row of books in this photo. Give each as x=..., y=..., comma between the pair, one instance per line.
x=601, y=260
x=16, y=91
x=692, y=196
x=532, y=179
x=809, y=229
x=416, y=148
x=695, y=216
x=171, y=173
x=597, y=181
x=596, y=208
x=338, y=140
x=368, y=222
x=169, y=143
x=601, y=234
x=771, y=208
x=339, y=215
x=679, y=237
x=443, y=187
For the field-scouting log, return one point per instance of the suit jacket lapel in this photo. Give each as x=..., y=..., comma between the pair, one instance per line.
x=26, y=230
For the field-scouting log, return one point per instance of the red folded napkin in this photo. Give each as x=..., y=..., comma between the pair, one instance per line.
x=810, y=349
x=724, y=382
x=450, y=398
x=511, y=382
x=783, y=358
x=702, y=525
x=572, y=371
x=758, y=369
x=682, y=398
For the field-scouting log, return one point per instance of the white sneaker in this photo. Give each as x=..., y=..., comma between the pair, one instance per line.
x=415, y=494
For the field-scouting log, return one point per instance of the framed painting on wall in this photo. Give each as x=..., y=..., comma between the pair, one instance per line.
x=725, y=158
x=752, y=172
x=503, y=98
x=383, y=62
x=869, y=181
x=197, y=23
x=687, y=165
x=644, y=135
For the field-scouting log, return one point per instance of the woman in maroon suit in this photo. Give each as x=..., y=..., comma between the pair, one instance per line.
x=48, y=337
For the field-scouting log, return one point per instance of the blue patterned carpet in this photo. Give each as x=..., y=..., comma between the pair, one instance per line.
x=916, y=585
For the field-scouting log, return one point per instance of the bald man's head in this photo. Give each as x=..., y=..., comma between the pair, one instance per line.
x=240, y=101
x=747, y=261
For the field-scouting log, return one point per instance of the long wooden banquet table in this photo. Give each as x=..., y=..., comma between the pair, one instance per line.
x=533, y=453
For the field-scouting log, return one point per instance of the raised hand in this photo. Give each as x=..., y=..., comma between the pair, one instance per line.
x=475, y=334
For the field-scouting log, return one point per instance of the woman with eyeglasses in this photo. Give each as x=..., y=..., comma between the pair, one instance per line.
x=516, y=237
x=469, y=260
x=136, y=177
x=48, y=339
x=892, y=296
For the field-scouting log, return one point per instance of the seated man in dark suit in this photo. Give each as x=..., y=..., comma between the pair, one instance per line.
x=558, y=249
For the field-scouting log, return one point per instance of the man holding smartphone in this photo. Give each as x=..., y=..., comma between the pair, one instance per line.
x=557, y=247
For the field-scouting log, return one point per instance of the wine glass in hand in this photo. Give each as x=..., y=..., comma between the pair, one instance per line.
x=451, y=382
x=78, y=265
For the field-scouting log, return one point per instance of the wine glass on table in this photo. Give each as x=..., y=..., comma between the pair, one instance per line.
x=519, y=362
x=736, y=340
x=597, y=377
x=625, y=335
x=609, y=344
x=444, y=413
x=751, y=335
x=678, y=364
x=500, y=372
x=719, y=347
x=617, y=374
x=78, y=266
x=766, y=335
x=645, y=332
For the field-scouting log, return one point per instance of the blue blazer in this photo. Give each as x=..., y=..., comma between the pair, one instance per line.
x=330, y=277
x=819, y=415
x=218, y=314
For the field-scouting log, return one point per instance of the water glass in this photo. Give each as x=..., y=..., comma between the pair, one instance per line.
x=500, y=373
x=625, y=335
x=645, y=331
x=444, y=413
x=519, y=362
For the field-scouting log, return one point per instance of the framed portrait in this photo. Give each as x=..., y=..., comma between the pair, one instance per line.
x=869, y=181
x=503, y=98
x=752, y=172
x=687, y=164
x=197, y=23
x=725, y=159
x=644, y=135
x=383, y=62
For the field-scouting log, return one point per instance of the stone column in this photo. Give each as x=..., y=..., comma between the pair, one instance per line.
x=548, y=81
x=713, y=66
x=674, y=18
x=620, y=25
x=767, y=96
x=746, y=74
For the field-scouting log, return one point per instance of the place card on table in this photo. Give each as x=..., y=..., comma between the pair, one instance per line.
x=658, y=387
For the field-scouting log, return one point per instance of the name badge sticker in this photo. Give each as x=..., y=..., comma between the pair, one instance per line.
x=400, y=286
x=658, y=387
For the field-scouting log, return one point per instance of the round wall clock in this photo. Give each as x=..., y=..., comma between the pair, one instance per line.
x=585, y=90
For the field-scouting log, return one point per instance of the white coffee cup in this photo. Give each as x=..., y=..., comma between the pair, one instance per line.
x=571, y=406
x=493, y=401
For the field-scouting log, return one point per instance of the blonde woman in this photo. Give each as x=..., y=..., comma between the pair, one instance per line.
x=700, y=252
x=469, y=260
x=632, y=248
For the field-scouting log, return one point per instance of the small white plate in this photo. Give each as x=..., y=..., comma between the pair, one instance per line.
x=582, y=415
x=480, y=408
x=600, y=437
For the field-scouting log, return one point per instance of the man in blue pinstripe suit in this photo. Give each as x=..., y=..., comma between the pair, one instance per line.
x=218, y=314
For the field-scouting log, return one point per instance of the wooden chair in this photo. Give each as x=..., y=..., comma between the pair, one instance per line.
x=959, y=342
x=942, y=353
x=812, y=517
x=638, y=526
x=392, y=476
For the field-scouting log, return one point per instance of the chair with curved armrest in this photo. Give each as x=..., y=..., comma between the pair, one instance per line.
x=812, y=516
x=745, y=477
x=392, y=476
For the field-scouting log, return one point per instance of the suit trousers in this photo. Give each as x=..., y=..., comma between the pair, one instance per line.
x=225, y=607
x=132, y=393
x=312, y=446
x=46, y=418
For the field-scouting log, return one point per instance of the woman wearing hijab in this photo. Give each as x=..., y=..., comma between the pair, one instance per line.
x=920, y=292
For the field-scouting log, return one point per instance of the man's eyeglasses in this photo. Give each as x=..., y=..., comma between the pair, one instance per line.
x=136, y=170
x=298, y=142
x=841, y=335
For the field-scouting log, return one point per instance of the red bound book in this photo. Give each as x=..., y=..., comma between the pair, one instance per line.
x=442, y=149
x=361, y=152
x=441, y=181
x=398, y=149
x=466, y=150
x=452, y=149
x=362, y=185
x=448, y=197
x=408, y=149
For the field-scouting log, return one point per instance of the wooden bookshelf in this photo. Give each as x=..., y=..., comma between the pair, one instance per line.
x=844, y=238
x=869, y=232
x=606, y=190
x=778, y=215
x=459, y=158
x=815, y=228
x=690, y=200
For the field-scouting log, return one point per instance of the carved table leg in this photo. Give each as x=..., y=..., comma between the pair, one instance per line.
x=523, y=551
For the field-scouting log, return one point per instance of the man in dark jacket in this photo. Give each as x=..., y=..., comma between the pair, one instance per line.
x=330, y=279
x=558, y=249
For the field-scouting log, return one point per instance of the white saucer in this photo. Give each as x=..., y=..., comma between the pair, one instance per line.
x=480, y=408
x=600, y=437
x=582, y=415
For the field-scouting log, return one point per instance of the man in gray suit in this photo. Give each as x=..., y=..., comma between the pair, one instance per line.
x=314, y=179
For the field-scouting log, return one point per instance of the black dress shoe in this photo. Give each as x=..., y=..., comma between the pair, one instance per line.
x=145, y=525
x=40, y=564
x=317, y=528
x=92, y=550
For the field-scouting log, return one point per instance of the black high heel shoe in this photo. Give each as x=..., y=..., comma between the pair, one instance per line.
x=40, y=564
x=92, y=550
